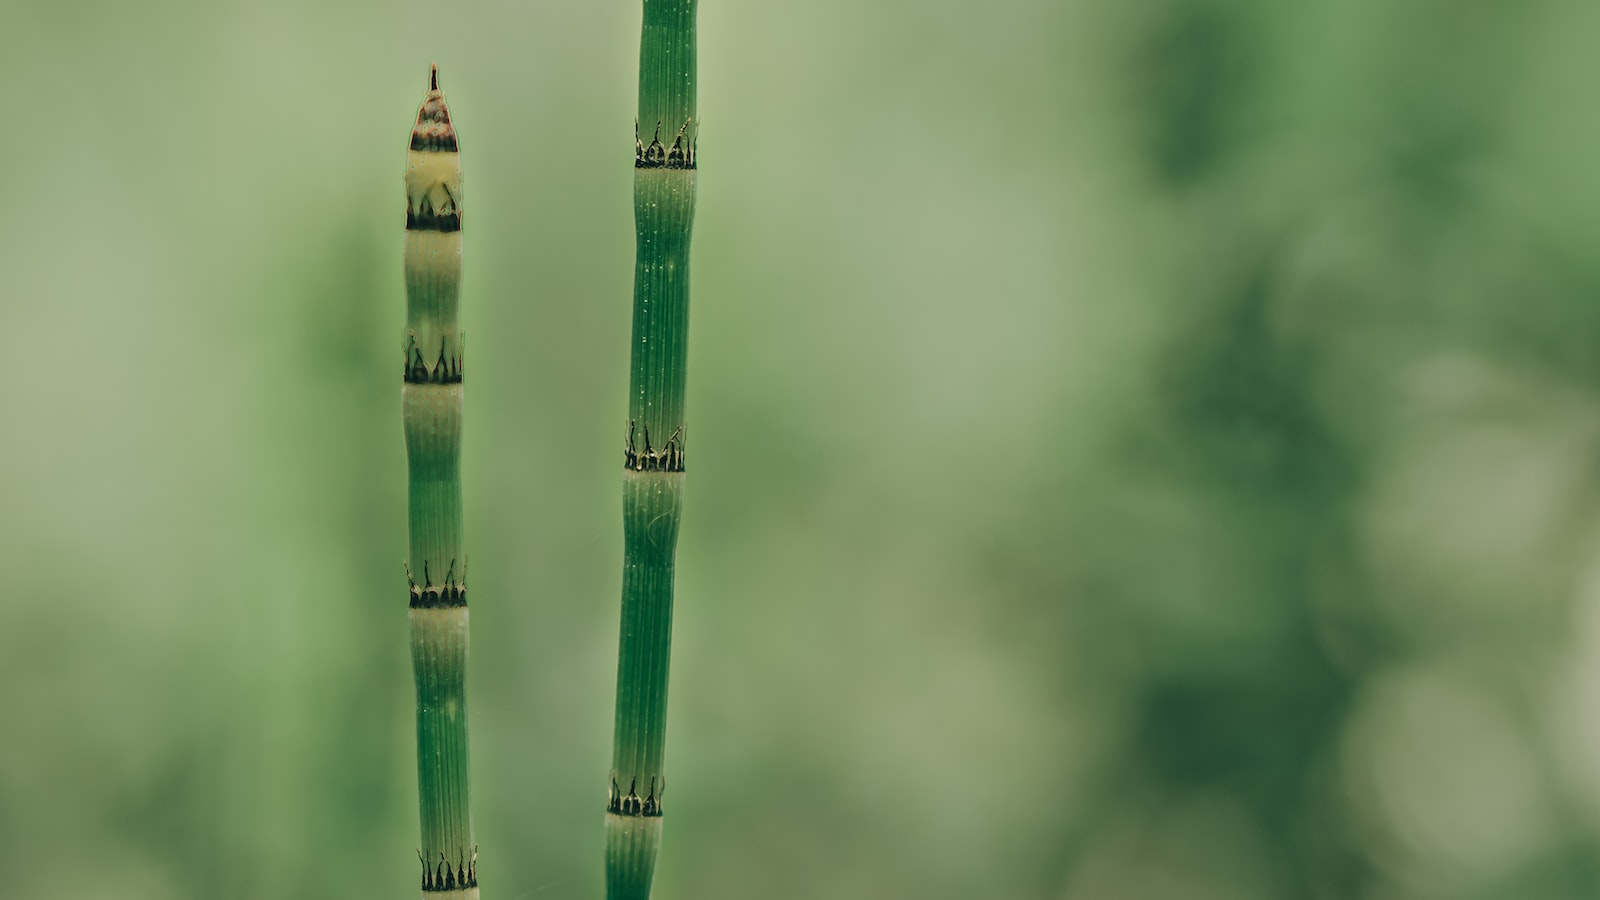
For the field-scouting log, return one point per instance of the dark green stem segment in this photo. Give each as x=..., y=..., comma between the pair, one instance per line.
x=667, y=64
x=652, y=505
x=439, y=647
x=665, y=167
x=663, y=202
x=431, y=401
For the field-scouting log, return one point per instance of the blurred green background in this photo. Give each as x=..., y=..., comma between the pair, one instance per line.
x=1141, y=449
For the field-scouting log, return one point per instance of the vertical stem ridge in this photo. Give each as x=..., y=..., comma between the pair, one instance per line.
x=653, y=461
x=431, y=404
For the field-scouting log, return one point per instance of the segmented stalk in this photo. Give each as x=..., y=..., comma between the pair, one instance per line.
x=653, y=459
x=431, y=403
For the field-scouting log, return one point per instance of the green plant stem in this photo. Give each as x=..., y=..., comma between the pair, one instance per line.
x=431, y=402
x=664, y=194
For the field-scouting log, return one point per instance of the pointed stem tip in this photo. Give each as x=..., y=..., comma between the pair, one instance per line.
x=433, y=77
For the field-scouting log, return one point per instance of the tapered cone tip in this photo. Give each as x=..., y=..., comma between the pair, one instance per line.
x=433, y=130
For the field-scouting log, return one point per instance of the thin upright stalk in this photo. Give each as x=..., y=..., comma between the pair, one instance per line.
x=653, y=457
x=431, y=403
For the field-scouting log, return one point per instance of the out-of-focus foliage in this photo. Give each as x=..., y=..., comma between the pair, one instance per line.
x=1140, y=450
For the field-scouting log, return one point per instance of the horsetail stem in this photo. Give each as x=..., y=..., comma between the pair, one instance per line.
x=431, y=403
x=653, y=454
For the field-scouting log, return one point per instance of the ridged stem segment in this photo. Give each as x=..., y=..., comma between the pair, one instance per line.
x=653, y=456
x=437, y=571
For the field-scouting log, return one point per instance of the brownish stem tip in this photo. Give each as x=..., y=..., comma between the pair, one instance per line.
x=433, y=77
